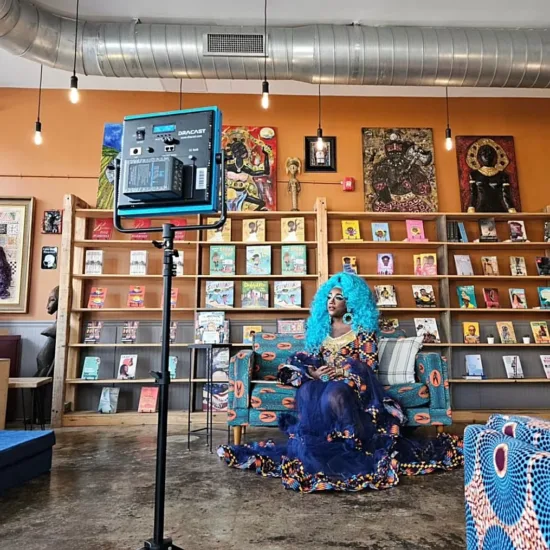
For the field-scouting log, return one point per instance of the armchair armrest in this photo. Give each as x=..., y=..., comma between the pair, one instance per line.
x=240, y=375
x=432, y=370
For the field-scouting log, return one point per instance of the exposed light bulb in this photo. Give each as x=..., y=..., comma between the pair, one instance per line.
x=320, y=144
x=448, y=139
x=265, y=94
x=38, y=133
x=74, y=96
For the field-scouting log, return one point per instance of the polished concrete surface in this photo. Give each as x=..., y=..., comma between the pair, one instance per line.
x=100, y=493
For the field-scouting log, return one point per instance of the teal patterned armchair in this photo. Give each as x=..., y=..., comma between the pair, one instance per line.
x=257, y=399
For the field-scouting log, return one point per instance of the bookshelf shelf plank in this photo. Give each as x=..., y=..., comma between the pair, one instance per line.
x=117, y=276
x=282, y=311
x=259, y=243
x=255, y=277
x=386, y=245
x=128, y=309
x=423, y=310
x=502, y=245
x=135, y=245
x=495, y=310
x=148, y=345
x=410, y=277
x=384, y=216
x=501, y=277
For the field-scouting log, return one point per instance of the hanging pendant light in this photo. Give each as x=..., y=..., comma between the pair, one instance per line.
x=320, y=144
x=265, y=83
x=38, y=125
x=448, y=133
x=74, y=96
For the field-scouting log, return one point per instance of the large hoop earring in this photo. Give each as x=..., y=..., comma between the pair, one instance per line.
x=347, y=318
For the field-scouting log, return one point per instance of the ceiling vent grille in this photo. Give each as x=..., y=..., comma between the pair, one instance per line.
x=236, y=45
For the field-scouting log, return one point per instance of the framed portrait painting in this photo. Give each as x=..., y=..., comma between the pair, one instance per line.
x=16, y=231
x=320, y=160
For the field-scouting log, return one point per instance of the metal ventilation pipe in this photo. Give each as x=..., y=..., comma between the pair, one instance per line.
x=404, y=56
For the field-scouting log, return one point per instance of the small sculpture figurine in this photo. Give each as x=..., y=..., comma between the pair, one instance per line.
x=293, y=168
x=45, y=359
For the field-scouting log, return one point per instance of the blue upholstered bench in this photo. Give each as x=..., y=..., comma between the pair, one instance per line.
x=24, y=455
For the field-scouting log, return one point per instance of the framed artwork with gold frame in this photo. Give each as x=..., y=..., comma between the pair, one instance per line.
x=16, y=233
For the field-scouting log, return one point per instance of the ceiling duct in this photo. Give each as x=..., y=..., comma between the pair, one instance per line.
x=404, y=56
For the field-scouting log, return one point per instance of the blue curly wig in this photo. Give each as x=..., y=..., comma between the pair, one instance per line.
x=360, y=303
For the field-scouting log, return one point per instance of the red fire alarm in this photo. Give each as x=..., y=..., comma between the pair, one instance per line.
x=348, y=184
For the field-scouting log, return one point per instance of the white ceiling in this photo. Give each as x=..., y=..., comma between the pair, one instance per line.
x=17, y=72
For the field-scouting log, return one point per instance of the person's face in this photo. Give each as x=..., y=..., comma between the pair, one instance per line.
x=385, y=260
x=430, y=260
x=487, y=155
x=51, y=306
x=291, y=226
x=472, y=330
x=336, y=303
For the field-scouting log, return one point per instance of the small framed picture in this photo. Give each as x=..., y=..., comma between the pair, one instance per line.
x=320, y=160
x=51, y=222
x=49, y=257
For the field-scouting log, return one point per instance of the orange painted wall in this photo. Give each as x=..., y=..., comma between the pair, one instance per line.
x=73, y=135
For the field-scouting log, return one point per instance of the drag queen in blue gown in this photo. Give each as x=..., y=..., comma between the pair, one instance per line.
x=346, y=434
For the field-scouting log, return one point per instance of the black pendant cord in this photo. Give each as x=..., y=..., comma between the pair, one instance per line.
x=76, y=36
x=447, y=103
x=319, y=105
x=181, y=95
x=265, y=41
x=39, y=94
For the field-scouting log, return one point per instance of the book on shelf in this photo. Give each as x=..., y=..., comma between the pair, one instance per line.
x=517, y=266
x=293, y=259
x=453, y=234
x=291, y=326
x=220, y=364
x=258, y=260
x=380, y=231
x=172, y=366
x=506, y=332
x=90, y=369
x=385, y=296
x=217, y=394
x=466, y=297
x=102, y=229
x=173, y=331
x=293, y=230
x=138, y=262
x=180, y=234
x=287, y=294
x=462, y=231
x=254, y=230
x=517, y=231
x=491, y=297
x=136, y=297
x=211, y=327
x=427, y=329
x=512, y=364
x=222, y=260
x=546, y=237
x=127, y=367
x=384, y=265
x=148, y=398
x=487, y=230
x=387, y=325
x=129, y=332
x=474, y=366
x=463, y=264
x=415, y=231
x=174, y=294
x=93, y=264
x=517, y=298
x=220, y=294
x=254, y=294
x=545, y=361
x=97, y=297
x=489, y=264
x=143, y=223
x=351, y=230
x=179, y=263
x=220, y=234
x=249, y=333
x=471, y=332
x=349, y=264
x=544, y=296
x=93, y=332
x=108, y=401
x=543, y=265
x=425, y=265
x=540, y=332
x=423, y=295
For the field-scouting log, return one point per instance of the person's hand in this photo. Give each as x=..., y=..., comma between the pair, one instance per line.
x=322, y=371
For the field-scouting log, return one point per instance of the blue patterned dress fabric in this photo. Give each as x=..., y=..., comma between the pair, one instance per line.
x=344, y=434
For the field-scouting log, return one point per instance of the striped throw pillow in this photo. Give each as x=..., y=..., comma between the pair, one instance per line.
x=396, y=358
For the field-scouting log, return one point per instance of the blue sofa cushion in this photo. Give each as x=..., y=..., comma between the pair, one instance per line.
x=409, y=395
x=272, y=351
x=272, y=397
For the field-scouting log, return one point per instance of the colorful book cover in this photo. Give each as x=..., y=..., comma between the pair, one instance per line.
x=474, y=366
x=543, y=265
x=388, y=325
x=136, y=297
x=138, y=262
x=517, y=231
x=249, y=333
x=173, y=331
x=463, y=264
x=141, y=224
x=172, y=366
x=385, y=296
x=384, y=265
x=427, y=328
x=93, y=264
x=254, y=230
x=512, y=364
x=108, y=401
x=127, y=367
x=546, y=233
x=148, y=399
x=349, y=264
x=425, y=265
x=544, y=296
x=90, y=370
x=293, y=230
x=415, y=231
x=255, y=294
x=489, y=264
x=221, y=234
x=220, y=364
x=506, y=332
x=491, y=297
x=487, y=230
x=517, y=298
x=179, y=263
x=129, y=332
x=220, y=294
x=462, y=231
x=97, y=297
x=294, y=259
x=350, y=230
x=179, y=222
x=517, y=266
x=258, y=260
x=174, y=294
x=540, y=332
x=424, y=295
x=466, y=297
x=102, y=229
x=380, y=231
x=471, y=332
x=288, y=294
x=291, y=326
x=93, y=332
x=222, y=260
x=211, y=327
x=545, y=361
x=218, y=394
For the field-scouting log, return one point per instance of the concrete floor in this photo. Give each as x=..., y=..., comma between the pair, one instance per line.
x=99, y=496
